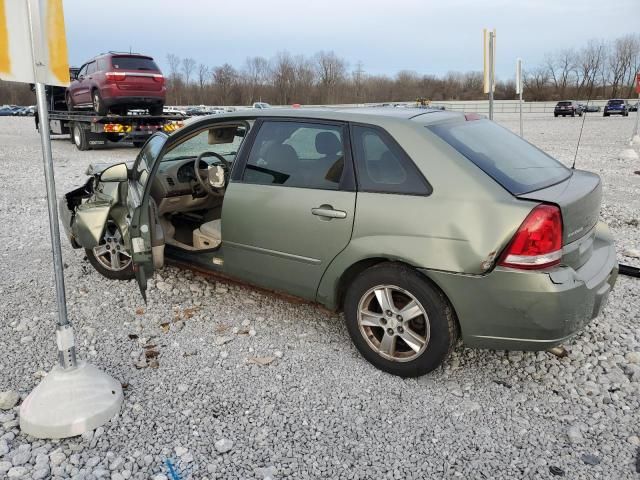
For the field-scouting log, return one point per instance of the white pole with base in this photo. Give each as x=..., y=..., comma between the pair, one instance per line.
x=74, y=397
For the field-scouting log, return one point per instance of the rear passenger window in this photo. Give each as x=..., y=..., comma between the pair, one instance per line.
x=382, y=166
x=91, y=68
x=297, y=154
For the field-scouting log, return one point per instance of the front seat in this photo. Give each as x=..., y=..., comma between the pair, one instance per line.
x=209, y=235
x=330, y=165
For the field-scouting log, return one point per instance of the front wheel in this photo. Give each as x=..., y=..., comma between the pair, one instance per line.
x=110, y=257
x=398, y=321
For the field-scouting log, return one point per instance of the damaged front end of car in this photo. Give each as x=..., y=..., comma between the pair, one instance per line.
x=84, y=211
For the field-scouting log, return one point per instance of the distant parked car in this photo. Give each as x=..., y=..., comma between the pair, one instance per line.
x=6, y=111
x=174, y=111
x=616, y=106
x=591, y=108
x=568, y=107
x=261, y=105
x=633, y=107
x=118, y=81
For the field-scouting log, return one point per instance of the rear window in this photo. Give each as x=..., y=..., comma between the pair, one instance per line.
x=615, y=102
x=133, y=63
x=511, y=161
x=564, y=104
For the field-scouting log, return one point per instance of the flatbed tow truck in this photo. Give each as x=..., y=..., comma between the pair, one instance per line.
x=89, y=130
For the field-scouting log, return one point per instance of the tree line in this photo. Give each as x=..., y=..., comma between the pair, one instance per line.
x=598, y=70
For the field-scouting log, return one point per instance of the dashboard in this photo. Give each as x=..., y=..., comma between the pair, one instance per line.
x=173, y=186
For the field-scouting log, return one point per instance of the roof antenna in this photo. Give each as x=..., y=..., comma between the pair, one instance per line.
x=584, y=117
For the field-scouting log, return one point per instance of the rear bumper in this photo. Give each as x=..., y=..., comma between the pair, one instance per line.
x=519, y=310
x=614, y=112
x=135, y=101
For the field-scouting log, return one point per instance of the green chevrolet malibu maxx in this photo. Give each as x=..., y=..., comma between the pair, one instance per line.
x=421, y=226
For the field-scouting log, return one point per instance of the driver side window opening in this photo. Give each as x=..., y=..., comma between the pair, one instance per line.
x=189, y=200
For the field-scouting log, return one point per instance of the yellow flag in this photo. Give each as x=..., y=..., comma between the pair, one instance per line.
x=33, y=44
x=5, y=62
x=57, y=41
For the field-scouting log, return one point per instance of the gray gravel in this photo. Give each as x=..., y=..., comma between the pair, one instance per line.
x=247, y=385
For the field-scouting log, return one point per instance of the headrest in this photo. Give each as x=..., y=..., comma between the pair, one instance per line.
x=327, y=143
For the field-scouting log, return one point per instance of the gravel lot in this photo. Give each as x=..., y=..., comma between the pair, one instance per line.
x=318, y=410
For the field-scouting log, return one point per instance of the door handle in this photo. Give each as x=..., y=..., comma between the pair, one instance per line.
x=327, y=211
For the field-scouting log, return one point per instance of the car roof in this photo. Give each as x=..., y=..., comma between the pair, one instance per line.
x=375, y=115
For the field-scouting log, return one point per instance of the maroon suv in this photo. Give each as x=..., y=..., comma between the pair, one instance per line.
x=118, y=82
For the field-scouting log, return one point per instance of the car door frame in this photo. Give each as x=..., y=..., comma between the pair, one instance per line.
x=348, y=182
x=142, y=239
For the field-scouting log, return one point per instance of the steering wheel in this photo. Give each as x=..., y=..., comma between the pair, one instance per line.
x=201, y=174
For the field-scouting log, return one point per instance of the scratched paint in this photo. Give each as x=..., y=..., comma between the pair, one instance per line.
x=5, y=61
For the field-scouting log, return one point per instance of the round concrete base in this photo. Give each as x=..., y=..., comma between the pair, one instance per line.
x=70, y=402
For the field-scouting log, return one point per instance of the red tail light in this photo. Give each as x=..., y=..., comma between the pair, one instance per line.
x=158, y=78
x=115, y=76
x=538, y=242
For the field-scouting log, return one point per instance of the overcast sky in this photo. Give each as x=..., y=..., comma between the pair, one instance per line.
x=426, y=36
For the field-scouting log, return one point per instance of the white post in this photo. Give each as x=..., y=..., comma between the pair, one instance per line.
x=519, y=89
x=491, y=74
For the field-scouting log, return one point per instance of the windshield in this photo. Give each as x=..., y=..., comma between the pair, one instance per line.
x=511, y=161
x=202, y=142
x=144, y=164
x=615, y=102
x=564, y=104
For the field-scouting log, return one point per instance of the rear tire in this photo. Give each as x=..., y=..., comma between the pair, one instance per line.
x=79, y=137
x=114, y=266
x=429, y=324
x=98, y=103
x=555, y=115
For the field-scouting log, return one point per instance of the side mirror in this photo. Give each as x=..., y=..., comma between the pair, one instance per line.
x=216, y=174
x=115, y=173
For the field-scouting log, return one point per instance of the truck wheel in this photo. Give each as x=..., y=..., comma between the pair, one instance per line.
x=98, y=104
x=79, y=137
x=398, y=321
x=109, y=257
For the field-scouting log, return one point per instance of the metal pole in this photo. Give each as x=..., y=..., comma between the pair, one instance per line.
x=491, y=60
x=66, y=347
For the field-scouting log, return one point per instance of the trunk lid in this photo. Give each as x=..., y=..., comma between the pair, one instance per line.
x=579, y=198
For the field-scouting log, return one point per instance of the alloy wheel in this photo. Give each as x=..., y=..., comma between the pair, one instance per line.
x=111, y=252
x=394, y=323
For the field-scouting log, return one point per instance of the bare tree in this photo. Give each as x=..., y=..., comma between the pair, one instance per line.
x=224, y=80
x=175, y=82
x=283, y=77
x=188, y=66
x=331, y=71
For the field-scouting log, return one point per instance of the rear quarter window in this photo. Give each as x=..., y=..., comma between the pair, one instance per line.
x=511, y=161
